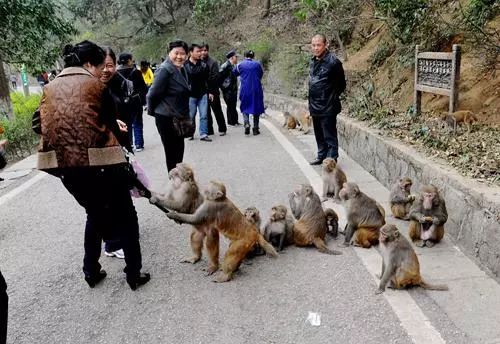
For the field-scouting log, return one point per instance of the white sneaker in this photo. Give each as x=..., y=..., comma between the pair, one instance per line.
x=118, y=254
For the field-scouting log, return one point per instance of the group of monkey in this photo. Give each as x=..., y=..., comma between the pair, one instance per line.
x=214, y=213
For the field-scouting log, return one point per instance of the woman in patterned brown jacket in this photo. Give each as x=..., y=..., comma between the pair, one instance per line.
x=80, y=144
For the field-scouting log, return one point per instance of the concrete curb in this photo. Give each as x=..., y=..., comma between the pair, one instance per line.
x=473, y=208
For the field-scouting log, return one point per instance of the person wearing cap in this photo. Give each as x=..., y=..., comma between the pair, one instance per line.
x=251, y=93
x=326, y=84
x=127, y=71
x=229, y=87
x=213, y=93
x=168, y=97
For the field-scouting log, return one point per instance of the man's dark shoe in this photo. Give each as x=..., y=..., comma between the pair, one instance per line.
x=223, y=133
x=142, y=279
x=93, y=281
x=256, y=131
x=247, y=130
x=316, y=161
x=206, y=139
x=191, y=138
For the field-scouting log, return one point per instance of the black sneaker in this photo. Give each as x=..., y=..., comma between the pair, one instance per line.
x=256, y=131
x=247, y=130
x=316, y=161
x=142, y=279
x=206, y=139
x=93, y=281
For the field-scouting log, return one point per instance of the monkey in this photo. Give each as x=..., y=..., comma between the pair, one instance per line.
x=184, y=196
x=364, y=217
x=311, y=228
x=252, y=214
x=400, y=267
x=218, y=211
x=333, y=179
x=279, y=229
x=401, y=198
x=290, y=122
x=427, y=217
x=332, y=222
x=468, y=118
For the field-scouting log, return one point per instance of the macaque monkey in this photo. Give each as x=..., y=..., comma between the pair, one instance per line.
x=279, y=229
x=218, y=211
x=184, y=196
x=301, y=118
x=364, y=217
x=252, y=214
x=333, y=179
x=400, y=267
x=427, y=217
x=311, y=228
x=332, y=222
x=401, y=198
x=463, y=116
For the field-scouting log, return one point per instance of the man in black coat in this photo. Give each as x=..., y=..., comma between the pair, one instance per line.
x=213, y=93
x=326, y=84
x=4, y=298
x=229, y=87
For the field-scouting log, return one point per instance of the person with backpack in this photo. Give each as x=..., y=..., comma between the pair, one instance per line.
x=134, y=91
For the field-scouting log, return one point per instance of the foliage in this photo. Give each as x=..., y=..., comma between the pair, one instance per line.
x=213, y=12
x=384, y=50
x=22, y=139
x=32, y=32
x=263, y=49
x=480, y=11
x=291, y=66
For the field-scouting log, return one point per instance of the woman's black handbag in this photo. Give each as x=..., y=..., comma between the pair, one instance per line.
x=183, y=126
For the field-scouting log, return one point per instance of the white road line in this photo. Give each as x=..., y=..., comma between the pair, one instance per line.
x=413, y=320
x=23, y=187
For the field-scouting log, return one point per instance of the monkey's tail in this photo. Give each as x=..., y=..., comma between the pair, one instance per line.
x=267, y=246
x=433, y=286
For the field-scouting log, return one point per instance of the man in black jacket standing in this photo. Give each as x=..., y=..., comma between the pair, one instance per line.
x=4, y=298
x=229, y=87
x=326, y=84
x=213, y=93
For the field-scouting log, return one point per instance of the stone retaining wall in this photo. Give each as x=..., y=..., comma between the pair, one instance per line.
x=473, y=209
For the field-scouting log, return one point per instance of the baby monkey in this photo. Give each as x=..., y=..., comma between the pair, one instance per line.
x=279, y=230
x=333, y=179
x=401, y=198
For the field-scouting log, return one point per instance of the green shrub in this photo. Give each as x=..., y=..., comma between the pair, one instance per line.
x=22, y=139
x=383, y=51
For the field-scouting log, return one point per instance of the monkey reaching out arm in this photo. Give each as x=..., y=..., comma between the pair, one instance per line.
x=217, y=211
x=401, y=198
x=400, y=266
x=427, y=217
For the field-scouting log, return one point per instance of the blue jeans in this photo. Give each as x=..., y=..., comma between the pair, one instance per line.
x=200, y=104
x=138, y=133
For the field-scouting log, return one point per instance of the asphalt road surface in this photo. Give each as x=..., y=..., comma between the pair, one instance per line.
x=268, y=301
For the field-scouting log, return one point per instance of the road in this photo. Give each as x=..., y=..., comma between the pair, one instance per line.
x=269, y=300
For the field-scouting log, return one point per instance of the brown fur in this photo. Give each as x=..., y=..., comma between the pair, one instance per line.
x=218, y=211
x=401, y=198
x=332, y=222
x=252, y=214
x=300, y=118
x=311, y=228
x=428, y=215
x=184, y=196
x=400, y=266
x=333, y=179
x=466, y=117
x=364, y=217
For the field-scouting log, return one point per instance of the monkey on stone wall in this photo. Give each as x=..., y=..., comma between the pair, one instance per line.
x=217, y=211
x=311, y=227
x=428, y=215
x=400, y=266
x=364, y=217
x=401, y=198
x=184, y=196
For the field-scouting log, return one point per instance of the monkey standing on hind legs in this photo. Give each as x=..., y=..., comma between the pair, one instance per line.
x=400, y=266
x=428, y=215
x=311, y=227
x=401, y=198
x=364, y=217
x=333, y=179
x=218, y=211
x=184, y=196
x=279, y=230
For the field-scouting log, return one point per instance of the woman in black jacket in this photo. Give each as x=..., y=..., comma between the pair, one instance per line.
x=168, y=97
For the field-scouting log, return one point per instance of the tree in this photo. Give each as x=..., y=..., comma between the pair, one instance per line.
x=31, y=32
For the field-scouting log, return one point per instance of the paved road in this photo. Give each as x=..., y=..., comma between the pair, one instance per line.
x=41, y=237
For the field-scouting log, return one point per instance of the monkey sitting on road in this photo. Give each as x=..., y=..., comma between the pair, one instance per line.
x=364, y=217
x=332, y=222
x=463, y=116
x=290, y=122
x=252, y=214
x=301, y=118
x=333, y=179
x=279, y=230
x=218, y=211
x=310, y=229
x=428, y=215
x=401, y=198
x=400, y=267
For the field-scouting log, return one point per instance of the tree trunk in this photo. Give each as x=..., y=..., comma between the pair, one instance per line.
x=267, y=7
x=5, y=105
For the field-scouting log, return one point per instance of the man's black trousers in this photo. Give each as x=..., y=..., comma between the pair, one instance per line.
x=325, y=131
x=231, y=99
x=173, y=145
x=219, y=115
